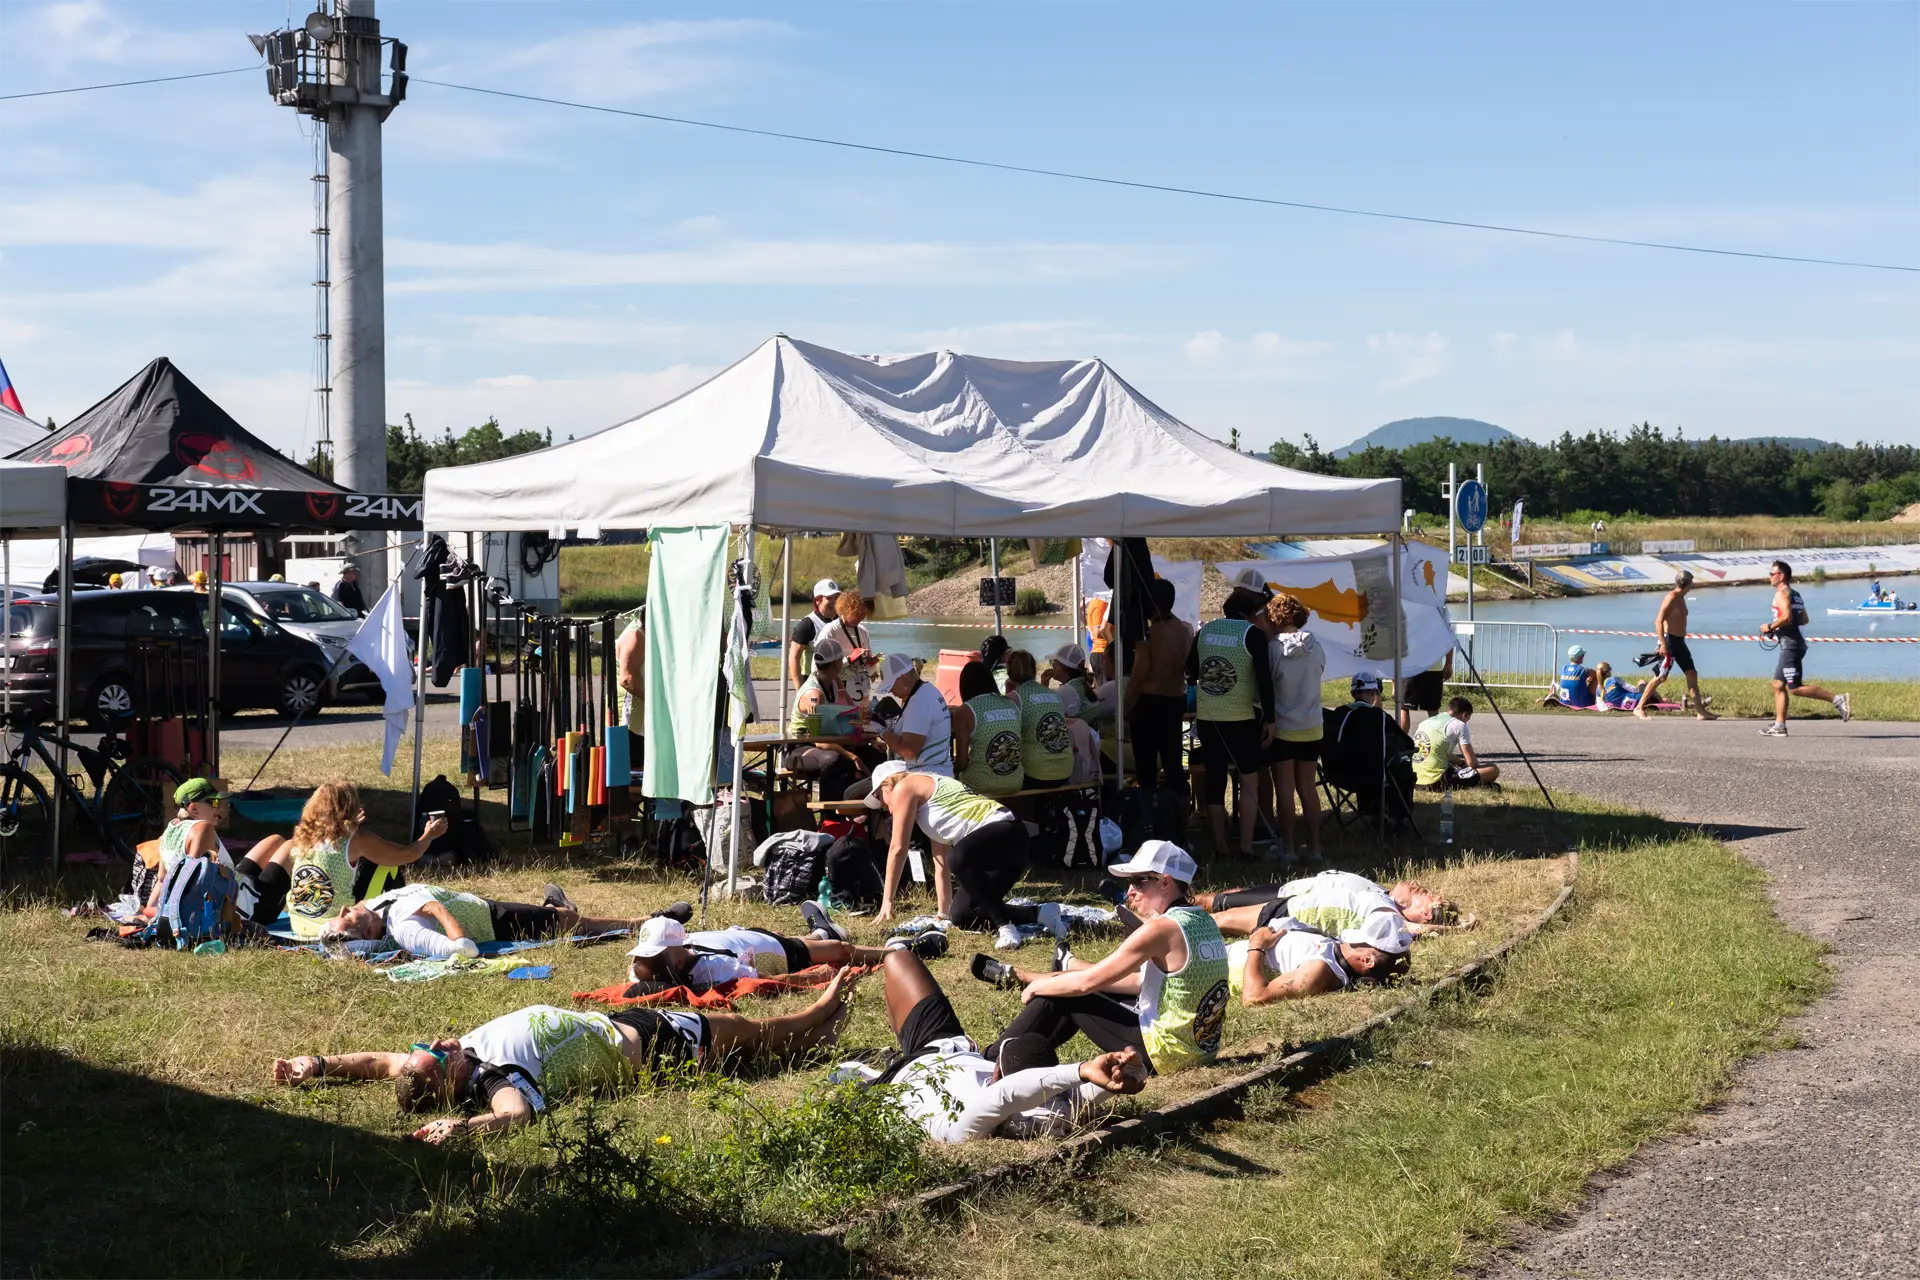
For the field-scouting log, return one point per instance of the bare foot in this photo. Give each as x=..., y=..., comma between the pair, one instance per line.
x=1705, y=715
x=1640, y=711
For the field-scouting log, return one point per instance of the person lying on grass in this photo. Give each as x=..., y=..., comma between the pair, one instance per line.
x=1284, y=959
x=1162, y=993
x=1333, y=900
x=957, y=1093
x=666, y=955
x=507, y=1070
x=439, y=924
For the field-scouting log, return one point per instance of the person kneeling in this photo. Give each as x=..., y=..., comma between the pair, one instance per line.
x=507, y=1070
x=1283, y=959
x=957, y=1093
x=438, y=923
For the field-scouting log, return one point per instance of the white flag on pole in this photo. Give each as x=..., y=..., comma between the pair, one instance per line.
x=381, y=643
x=1516, y=520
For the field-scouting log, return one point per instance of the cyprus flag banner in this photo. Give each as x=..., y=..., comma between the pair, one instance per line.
x=1350, y=598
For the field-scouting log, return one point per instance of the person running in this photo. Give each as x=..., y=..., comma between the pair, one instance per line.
x=979, y=852
x=1577, y=685
x=1046, y=748
x=1233, y=711
x=1790, y=668
x=958, y=1094
x=1332, y=901
x=1163, y=992
x=1670, y=625
x=1286, y=959
x=666, y=955
x=508, y=1069
x=1443, y=754
x=438, y=923
x=986, y=735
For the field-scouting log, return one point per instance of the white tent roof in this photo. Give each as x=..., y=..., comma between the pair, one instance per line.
x=17, y=432
x=33, y=498
x=796, y=436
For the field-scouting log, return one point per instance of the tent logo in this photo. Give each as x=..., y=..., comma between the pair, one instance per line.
x=323, y=506
x=120, y=497
x=214, y=456
x=72, y=451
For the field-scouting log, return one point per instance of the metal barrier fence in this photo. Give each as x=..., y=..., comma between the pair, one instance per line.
x=1508, y=655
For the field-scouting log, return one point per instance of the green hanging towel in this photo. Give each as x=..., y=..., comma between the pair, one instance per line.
x=686, y=616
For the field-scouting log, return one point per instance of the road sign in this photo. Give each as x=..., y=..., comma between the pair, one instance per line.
x=1472, y=555
x=1470, y=505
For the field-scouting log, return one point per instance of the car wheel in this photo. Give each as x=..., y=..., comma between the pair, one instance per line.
x=301, y=694
x=110, y=703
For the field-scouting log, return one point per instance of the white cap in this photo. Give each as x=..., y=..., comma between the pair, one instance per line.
x=892, y=667
x=1250, y=580
x=1069, y=700
x=826, y=587
x=881, y=772
x=1161, y=857
x=1382, y=930
x=1070, y=655
x=657, y=934
x=829, y=649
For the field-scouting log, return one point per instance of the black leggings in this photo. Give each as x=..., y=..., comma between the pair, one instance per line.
x=1158, y=725
x=986, y=863
x=1246, y=897
x=1111, y=1023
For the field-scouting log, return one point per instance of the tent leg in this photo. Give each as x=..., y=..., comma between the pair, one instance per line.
x=1119, y=673
x=786, y=623
x=1399, y=651
x=6, y=629
x=993, y=563
x=420, y=694
x=739, y=763
x=1076, y=628
x=215, y=546
x=62, y=697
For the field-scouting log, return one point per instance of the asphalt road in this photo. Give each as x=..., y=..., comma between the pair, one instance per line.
x=1811, y=1167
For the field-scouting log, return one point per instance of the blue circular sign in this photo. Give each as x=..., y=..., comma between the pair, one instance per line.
x=1470, y=504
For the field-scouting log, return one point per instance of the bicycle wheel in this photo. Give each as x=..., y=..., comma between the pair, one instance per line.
x=138, y=802
x=26, y=817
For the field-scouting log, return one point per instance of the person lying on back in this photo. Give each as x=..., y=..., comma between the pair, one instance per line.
x=1284, y=959
x=1332, y=900
x=438, y=923
x=666, y=955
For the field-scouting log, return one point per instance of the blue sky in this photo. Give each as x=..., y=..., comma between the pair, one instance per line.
x=567, y=270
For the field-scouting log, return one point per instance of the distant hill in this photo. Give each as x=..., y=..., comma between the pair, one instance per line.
x=1411, y=431
x=1808, y=443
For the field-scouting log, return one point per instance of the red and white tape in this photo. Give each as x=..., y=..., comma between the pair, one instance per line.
x=1713, y=635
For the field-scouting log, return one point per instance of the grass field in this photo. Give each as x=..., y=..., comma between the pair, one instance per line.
x=157, y=1062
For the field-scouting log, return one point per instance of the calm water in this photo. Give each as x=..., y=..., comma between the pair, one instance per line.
x=1732, y=610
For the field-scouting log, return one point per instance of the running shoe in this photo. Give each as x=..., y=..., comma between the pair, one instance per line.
x=555, y=896
x=681, y=911
x=1050, y=919
x=930, y=945
x=997, y=972
x=1008, y=938
x=1062, y=958
x=1774, y=731
x=1128, y=920
x=1845, y=703
x=821, y=923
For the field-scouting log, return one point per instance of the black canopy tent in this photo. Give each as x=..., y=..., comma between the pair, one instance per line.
x=158, y=454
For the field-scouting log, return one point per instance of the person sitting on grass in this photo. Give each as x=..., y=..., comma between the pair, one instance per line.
x=666, y=955
x=1284, y=959
x=1443, y=754
x=1333, y=900
x=439, y=924
x=508, y=1069
x=322, y=856
x=1162, y=992
x=957, y=1093
x=1616, y=693
x=194, y=832
x=1578, y=684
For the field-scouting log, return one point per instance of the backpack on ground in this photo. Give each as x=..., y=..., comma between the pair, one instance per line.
x=198, y=903
x=793, y=862
x=856, y=872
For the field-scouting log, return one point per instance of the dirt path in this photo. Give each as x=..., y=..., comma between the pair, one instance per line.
x=1810, y=1167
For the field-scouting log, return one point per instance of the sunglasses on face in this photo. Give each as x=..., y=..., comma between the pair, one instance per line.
x=439, y=1055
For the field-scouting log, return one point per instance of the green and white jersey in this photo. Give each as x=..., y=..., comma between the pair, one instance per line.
x=1335, y=901
x=797, y=720
x=1182, y=1014
x=995, y=764
x=1436, y=740
x=473, y=912
x=1046, y=749
x=173, y=845
x=955, y=810
x=565, y=1051
x=322, y=886
x=1225, y=688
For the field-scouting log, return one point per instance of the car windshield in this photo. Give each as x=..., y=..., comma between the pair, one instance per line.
x=30, y=620
x=299, y=604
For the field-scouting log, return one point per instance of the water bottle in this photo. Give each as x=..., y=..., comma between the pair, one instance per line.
x=1446, y=816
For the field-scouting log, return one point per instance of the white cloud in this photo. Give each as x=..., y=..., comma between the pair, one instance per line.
x=1417, y=357
x=623, y=64
x=527, y=330
x=1262, y=356
x=69, y=35
x=575, y=406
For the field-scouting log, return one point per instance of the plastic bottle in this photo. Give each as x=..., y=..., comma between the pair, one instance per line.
x=1446, y=816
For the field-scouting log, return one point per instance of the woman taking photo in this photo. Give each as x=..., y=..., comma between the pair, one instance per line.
x=325, y=852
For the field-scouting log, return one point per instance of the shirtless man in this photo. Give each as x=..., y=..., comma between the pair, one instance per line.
x=1670, y=624
x=1790, y=670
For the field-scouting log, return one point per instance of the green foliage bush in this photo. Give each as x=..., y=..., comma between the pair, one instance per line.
x=1029, y=600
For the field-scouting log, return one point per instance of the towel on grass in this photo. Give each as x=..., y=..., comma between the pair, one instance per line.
x=719, y=996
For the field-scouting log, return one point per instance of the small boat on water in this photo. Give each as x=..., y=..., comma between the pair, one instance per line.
x=1883, y=603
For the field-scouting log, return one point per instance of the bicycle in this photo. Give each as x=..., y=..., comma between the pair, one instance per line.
x=131, y=801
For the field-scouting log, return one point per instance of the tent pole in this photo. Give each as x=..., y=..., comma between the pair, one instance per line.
x=419, y=687
x=215, y=545
x=1076, y=619
x=6, y=630
x=64, y=625
x=1119, y=673
x=993, y=561
x=1399, y=650
x=786, y=622
x=739, y=749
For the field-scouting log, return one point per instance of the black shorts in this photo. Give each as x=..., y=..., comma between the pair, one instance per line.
x=930, y=1020
x=1282, y=750
x=522, y=921
x=1677, y=655
x=1790, y=668
x=798, y=957
x=1425, y=691
x=1271, y=912
x=1228, y=746
x=669, y=1038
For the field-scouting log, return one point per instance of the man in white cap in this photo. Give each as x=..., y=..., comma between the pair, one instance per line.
x=1332, y=901
x=1252, y=580
x=808, y=629
x=1162, y=993
x=1286, y=960
x=666, y=955
x=1067, y=669
x=923, y=734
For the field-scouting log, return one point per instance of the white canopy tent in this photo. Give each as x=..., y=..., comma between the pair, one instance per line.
x=33, y=502
x=797, y=436
x=17, y=431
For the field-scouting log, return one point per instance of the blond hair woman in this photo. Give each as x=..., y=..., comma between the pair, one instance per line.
x=322, y=856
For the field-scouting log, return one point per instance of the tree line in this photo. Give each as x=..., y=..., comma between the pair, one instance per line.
x=410, y=456
x=1644, y=471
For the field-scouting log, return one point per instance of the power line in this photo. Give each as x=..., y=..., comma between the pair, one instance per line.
x=1169, y=189
x=123, y=84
